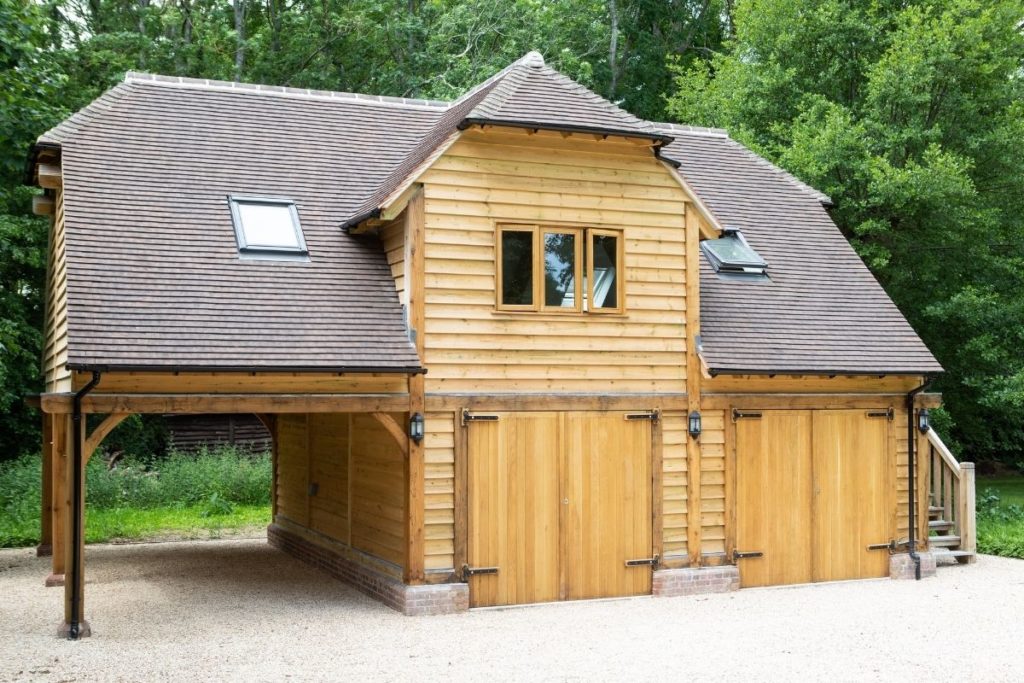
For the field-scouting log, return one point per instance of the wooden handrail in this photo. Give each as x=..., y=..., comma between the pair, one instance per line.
x=947, y=456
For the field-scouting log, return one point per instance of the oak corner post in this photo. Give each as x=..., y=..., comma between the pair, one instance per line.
x=415, y=492
x=693, y=388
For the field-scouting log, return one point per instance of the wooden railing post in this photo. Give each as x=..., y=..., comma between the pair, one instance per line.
x=967, y=516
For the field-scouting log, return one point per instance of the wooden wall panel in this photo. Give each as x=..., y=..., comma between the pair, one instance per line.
x=491, y=177
x=392, y=237
x=55, y=350
x=378, y=490
x=674, y=483
x=328, y=470
x=293, y=468
x=439, y=498
x=712, y=481
x=811, y=384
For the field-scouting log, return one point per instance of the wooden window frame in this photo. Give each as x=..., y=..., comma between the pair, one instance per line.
x=499, y=260
x=584, y=269
x=620, y=275
x=579, y=234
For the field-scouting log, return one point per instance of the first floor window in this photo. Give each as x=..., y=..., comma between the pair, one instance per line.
x=557, y=269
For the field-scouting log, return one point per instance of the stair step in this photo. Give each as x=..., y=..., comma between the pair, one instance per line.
x=961, y=553
x=936, y=509
x=940, y=524
x=944, y=541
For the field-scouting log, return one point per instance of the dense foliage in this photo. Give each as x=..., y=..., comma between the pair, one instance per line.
x=212, y=481
x=1000, y=524
x=907, y=112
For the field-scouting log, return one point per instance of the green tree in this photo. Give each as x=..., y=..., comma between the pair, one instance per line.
x=910, y=115
x=29, y=82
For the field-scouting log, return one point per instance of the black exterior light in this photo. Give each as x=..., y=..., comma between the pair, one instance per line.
x=416, y=427
x=693, y=424
x=922, y=420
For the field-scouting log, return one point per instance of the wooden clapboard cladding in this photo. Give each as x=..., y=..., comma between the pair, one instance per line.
x=392, y=238
x=328, y=474
x=606, y=521
x=378, y=490
x=673, y=478
x=495, y=176
x=773, y=502
x=514, y=509
x=712, y=482
x=56, y=376
x=292, y=495
x=241, y=382
x=852, y=495
x=439, y=491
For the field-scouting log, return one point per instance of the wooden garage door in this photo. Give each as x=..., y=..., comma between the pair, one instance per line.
x=851, y=495
x=558, y=503
x=606, y=505
x=812, y=495
x=514, y=508
x=773, y=502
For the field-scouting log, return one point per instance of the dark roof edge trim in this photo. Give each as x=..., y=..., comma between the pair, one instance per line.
x=566, y=128
x=33, y=156
x=859, y=373
x=345, y=370
x=356, y=220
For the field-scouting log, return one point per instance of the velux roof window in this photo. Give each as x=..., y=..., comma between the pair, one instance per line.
x=732, y=257
x=267, y=226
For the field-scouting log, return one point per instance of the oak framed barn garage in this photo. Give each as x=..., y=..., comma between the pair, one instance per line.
x=514, y=348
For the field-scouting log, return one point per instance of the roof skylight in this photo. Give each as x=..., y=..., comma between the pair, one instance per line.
x=267, y=226
x=732, y=257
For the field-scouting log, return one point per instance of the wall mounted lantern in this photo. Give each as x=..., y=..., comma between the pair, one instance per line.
x=693, y=424
x=922, y=420
x=416, y=427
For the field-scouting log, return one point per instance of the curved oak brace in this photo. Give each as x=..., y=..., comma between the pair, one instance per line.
x=396, y=432
x=100, y=433
x=267, y=420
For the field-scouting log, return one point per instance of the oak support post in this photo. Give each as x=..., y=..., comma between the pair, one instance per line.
x=60, y=502
x=693, y=385
x=967, y=513
x=45, y=547
x=415, y=491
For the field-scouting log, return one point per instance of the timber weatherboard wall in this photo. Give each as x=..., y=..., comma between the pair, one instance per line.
x=507, y=176
x=342, y=476
x=56, y=376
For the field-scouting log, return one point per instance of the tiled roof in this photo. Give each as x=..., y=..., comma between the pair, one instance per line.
x=154, y=275
x=822, y=310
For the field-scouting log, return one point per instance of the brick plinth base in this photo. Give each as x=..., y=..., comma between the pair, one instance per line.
x=669, y=583
x=444, y=598
x=901, y=566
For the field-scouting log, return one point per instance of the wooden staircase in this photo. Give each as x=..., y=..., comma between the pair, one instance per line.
x=951, y=514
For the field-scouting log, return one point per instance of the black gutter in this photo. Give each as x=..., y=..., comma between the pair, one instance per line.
x=565, y=128
x=365, y=216
x=253, y=369
x=820, y=371
x=911, y=502
x=78, y=476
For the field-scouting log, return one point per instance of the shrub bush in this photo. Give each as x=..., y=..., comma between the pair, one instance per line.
x=216, y=479
x=1000, y=527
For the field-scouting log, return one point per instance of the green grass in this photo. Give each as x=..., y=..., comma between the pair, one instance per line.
x=207, y=494
x=1001, y=515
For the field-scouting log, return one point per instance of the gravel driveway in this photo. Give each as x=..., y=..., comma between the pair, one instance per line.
x=240, y=610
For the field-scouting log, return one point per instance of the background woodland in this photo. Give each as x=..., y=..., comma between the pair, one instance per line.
x=908, y=113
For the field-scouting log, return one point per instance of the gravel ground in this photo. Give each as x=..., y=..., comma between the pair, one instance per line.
x=240, y=610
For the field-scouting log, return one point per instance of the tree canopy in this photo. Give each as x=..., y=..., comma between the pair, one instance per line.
x=908, y=113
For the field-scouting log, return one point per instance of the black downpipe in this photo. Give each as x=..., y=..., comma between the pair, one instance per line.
x=911, y=467
x=75, y=623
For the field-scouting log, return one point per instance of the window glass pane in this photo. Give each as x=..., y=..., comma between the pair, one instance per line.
x=516, y=268
x=560, y=270
x=268, y=225
x=606, y=271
